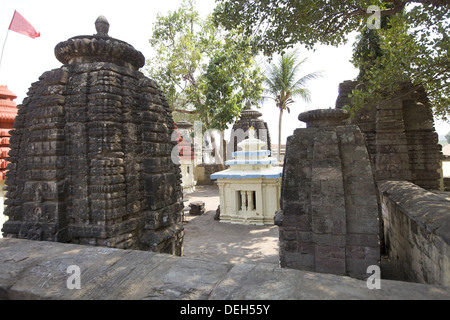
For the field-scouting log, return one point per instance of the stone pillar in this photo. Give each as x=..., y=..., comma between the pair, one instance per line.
x=91, y=153
x=329, y=217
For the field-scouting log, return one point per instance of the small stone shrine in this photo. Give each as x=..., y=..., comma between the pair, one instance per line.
x=186, y=156
x=249, y=118
x=91, y=153
x=250, y=189
x=400, y=135
x=329, y=217
x=8, y=112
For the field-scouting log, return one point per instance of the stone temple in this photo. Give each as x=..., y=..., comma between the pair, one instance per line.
x=240, y=131
x=400, y=135
x=90, y=159
x=329, y=220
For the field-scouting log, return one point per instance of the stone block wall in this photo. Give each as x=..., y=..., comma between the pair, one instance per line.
x=91, y=154
x=329, y=217
x=203, y=171
x=400, y=136
x=417, y=231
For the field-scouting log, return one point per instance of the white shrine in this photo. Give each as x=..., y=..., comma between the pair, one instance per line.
x=250, y=189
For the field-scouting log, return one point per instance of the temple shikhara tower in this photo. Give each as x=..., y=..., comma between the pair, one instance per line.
x=249, y=118
x=91, y=153
x=400, y=135
x=329, y=220
x=8, y=111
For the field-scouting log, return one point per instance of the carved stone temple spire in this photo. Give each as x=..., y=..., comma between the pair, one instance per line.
x=329, y=217
x=249, y=118
x=91, y=153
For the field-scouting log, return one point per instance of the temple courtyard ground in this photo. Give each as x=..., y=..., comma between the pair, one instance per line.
x=225, y=242
x=211, y=239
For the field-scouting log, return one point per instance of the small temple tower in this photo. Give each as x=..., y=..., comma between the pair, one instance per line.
x=329, y=217
x=400, y=134
x=186, y=156
x=8, y=112
x=250, y=189
x=91, y=153
x=249, y=118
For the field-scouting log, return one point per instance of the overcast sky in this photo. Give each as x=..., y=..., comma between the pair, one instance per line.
x=25, y=59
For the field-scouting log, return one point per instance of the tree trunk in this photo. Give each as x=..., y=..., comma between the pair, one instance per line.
x=279, y=136
x=224, y=150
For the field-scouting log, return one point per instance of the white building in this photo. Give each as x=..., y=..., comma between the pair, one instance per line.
x=250, y=189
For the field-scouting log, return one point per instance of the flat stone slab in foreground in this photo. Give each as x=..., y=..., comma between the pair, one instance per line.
x=39, y=270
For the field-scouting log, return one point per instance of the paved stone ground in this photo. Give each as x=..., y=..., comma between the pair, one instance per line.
x=207, y=238
x=225, y=242
x=39, y=270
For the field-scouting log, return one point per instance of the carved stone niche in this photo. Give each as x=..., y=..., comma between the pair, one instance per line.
x=329, y=217
x=90, y=159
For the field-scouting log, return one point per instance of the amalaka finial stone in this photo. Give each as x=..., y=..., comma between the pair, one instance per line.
x=102, y=26
x=324, y=117
x=99, y=48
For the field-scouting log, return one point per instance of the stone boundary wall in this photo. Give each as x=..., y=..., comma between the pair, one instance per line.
x=447, y=184
x=417, y=231
x=39, y=270
x=203, y=171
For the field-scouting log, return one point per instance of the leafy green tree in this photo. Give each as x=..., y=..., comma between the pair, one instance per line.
x=230, y=80
x=415, y=45
x=283, y=83
x=179, y=48
x=366, y=50
x=202, y=69
x=411, y=58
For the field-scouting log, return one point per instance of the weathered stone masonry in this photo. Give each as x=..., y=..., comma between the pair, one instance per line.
x=90, y=153
x=417, y=232
x=249, y=118
x=329, y=217
x=400, y=136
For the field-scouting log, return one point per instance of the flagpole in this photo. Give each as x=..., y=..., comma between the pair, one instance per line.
x=3, y=48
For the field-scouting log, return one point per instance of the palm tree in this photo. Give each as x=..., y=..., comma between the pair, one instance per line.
x=283, y=84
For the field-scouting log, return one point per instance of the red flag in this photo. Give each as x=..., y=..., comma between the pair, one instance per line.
x=20, y=25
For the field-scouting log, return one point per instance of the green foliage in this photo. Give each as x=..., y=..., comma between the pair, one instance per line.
x=284, y=82
x=412, y=48
x=276, y=25
x=202, y=68
x=230, y=80
x=366, y=50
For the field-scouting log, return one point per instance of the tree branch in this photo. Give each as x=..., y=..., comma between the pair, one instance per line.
x=436, y=3
x=185, y=111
